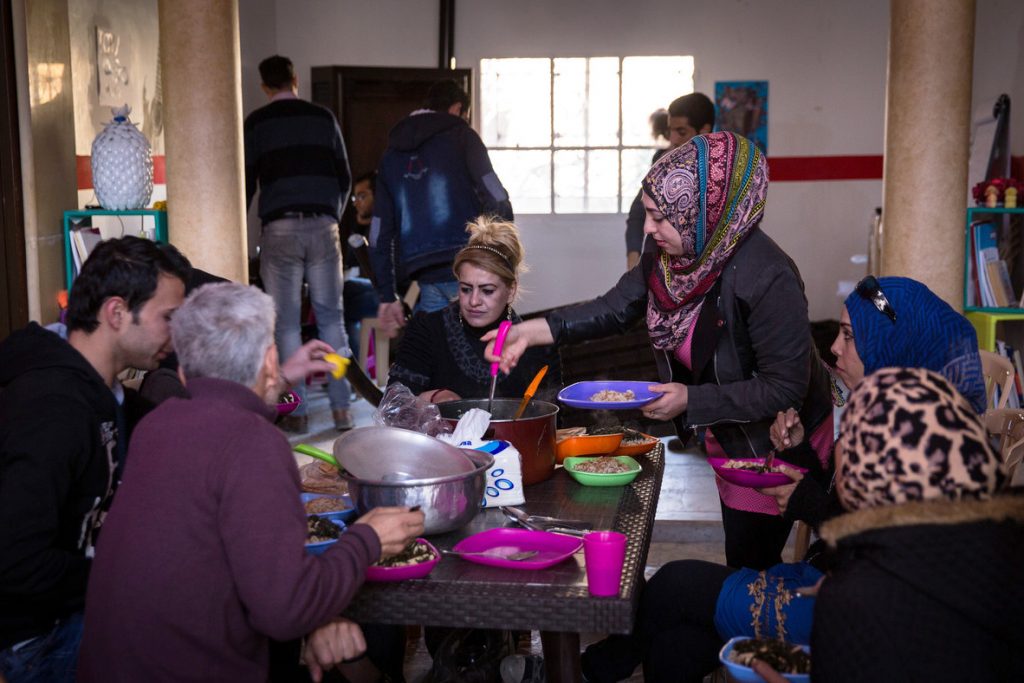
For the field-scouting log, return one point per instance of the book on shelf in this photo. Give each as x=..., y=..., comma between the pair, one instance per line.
x=989, y=283
x=83, y=241
x=1002, y=288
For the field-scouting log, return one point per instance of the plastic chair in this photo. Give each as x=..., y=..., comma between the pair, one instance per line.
x=999, y=373
x=1008, y=425
x=381, y=343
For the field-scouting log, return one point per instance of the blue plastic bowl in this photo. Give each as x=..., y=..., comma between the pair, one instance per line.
x=346, y=515
x=744, y=674
x=319, y=548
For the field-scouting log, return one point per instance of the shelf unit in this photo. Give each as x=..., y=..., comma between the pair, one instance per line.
x=159, y=230
x=986, y=318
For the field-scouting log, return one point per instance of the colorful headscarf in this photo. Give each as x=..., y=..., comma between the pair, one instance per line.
x=927, y=333
x=907, y=435
x=712, y=189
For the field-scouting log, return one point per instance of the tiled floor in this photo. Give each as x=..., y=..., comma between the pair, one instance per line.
x=688, y=519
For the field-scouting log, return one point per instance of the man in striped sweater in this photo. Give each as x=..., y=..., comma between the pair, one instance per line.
x=295, y=154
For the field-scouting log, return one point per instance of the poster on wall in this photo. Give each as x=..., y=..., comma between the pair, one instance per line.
x=742, y=108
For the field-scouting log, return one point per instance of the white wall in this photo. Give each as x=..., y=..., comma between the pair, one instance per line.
x=825, y=63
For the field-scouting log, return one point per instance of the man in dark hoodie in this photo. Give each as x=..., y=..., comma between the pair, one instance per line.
x=434, y=178
x=63, y=437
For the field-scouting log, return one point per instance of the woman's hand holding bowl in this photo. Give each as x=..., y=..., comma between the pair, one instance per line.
x=673, y=401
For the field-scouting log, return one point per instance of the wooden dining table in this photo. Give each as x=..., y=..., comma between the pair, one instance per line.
x=554, y=601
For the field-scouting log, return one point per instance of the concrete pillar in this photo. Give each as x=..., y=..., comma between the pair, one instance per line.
x=201, y=67
x=927, y=133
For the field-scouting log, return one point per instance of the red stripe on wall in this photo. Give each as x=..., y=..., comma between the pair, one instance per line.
x=83, y=171
x=825, y=168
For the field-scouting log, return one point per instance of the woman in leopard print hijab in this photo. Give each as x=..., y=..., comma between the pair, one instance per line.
x=907, y=435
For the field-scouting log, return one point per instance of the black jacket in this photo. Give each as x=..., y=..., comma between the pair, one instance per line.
x=923, y=592
x=58, y=456
x=752, y=350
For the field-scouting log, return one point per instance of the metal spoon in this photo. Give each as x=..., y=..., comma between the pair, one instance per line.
x=768, y=460
x=515, y=557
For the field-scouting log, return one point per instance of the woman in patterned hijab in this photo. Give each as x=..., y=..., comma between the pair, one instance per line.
x=727, y=317
x=907, y=435
x=712, y=192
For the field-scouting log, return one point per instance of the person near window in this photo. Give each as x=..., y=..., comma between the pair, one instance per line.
x=434, y=178
x=727, y=317
x=688, y=116
x=441, y=354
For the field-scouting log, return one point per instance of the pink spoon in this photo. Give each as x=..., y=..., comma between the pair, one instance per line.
x=499, y=343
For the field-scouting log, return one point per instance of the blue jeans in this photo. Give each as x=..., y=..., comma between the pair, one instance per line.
x=50, y=658
x=360, y=302
x=436, y=295
x=293, y=249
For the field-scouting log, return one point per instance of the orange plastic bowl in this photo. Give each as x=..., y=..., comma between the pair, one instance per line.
x=599, y=444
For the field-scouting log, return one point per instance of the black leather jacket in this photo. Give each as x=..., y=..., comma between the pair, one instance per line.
x=752, y=351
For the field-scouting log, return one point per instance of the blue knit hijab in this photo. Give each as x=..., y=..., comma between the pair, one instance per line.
x=927, y=333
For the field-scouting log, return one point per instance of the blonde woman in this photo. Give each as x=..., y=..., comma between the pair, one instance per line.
x=441, y=355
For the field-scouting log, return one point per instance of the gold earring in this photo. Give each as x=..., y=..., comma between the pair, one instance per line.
x=509, y=312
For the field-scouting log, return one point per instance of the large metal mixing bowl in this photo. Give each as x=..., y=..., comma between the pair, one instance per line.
x=393, y=454
x=448, y=502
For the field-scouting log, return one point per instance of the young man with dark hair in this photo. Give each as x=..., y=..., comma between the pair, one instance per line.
x=63, y=438
x=295, y=154
x=433, y=179
x=688, y=116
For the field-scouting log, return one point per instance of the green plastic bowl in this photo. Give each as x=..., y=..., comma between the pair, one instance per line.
x=595, y=479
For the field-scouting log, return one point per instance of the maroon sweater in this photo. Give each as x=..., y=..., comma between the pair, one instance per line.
x=202, y=555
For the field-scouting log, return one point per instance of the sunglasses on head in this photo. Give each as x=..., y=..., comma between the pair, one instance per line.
x=870, y=290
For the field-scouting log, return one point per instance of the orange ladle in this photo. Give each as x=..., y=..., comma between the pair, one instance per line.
x=530, y=391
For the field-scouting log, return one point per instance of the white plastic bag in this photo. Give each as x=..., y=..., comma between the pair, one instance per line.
x=505, y=479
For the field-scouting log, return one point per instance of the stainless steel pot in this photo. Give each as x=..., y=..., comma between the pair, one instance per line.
x=448, y=503
x=533, y=434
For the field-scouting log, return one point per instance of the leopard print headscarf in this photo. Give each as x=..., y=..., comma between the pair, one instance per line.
x=907, y=435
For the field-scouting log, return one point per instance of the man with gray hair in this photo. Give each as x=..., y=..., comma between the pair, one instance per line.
x=202, y=559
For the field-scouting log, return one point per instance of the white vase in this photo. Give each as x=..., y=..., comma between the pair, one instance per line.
x=122, y=164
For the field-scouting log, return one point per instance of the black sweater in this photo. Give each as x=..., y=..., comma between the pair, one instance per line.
x=58, y=455
x=438, y=351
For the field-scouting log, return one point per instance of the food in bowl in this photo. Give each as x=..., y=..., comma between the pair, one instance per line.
x=785, y=658
x=413, y=554
x=602, y=466
x=750, y=466
x=320, y=529
x=612, y=396
x=630, y=437
x=325, y=504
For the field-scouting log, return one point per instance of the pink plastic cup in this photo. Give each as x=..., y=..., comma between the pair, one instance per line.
x=604, y=553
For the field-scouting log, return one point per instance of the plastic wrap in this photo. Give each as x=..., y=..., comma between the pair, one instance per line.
x=401, y=408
